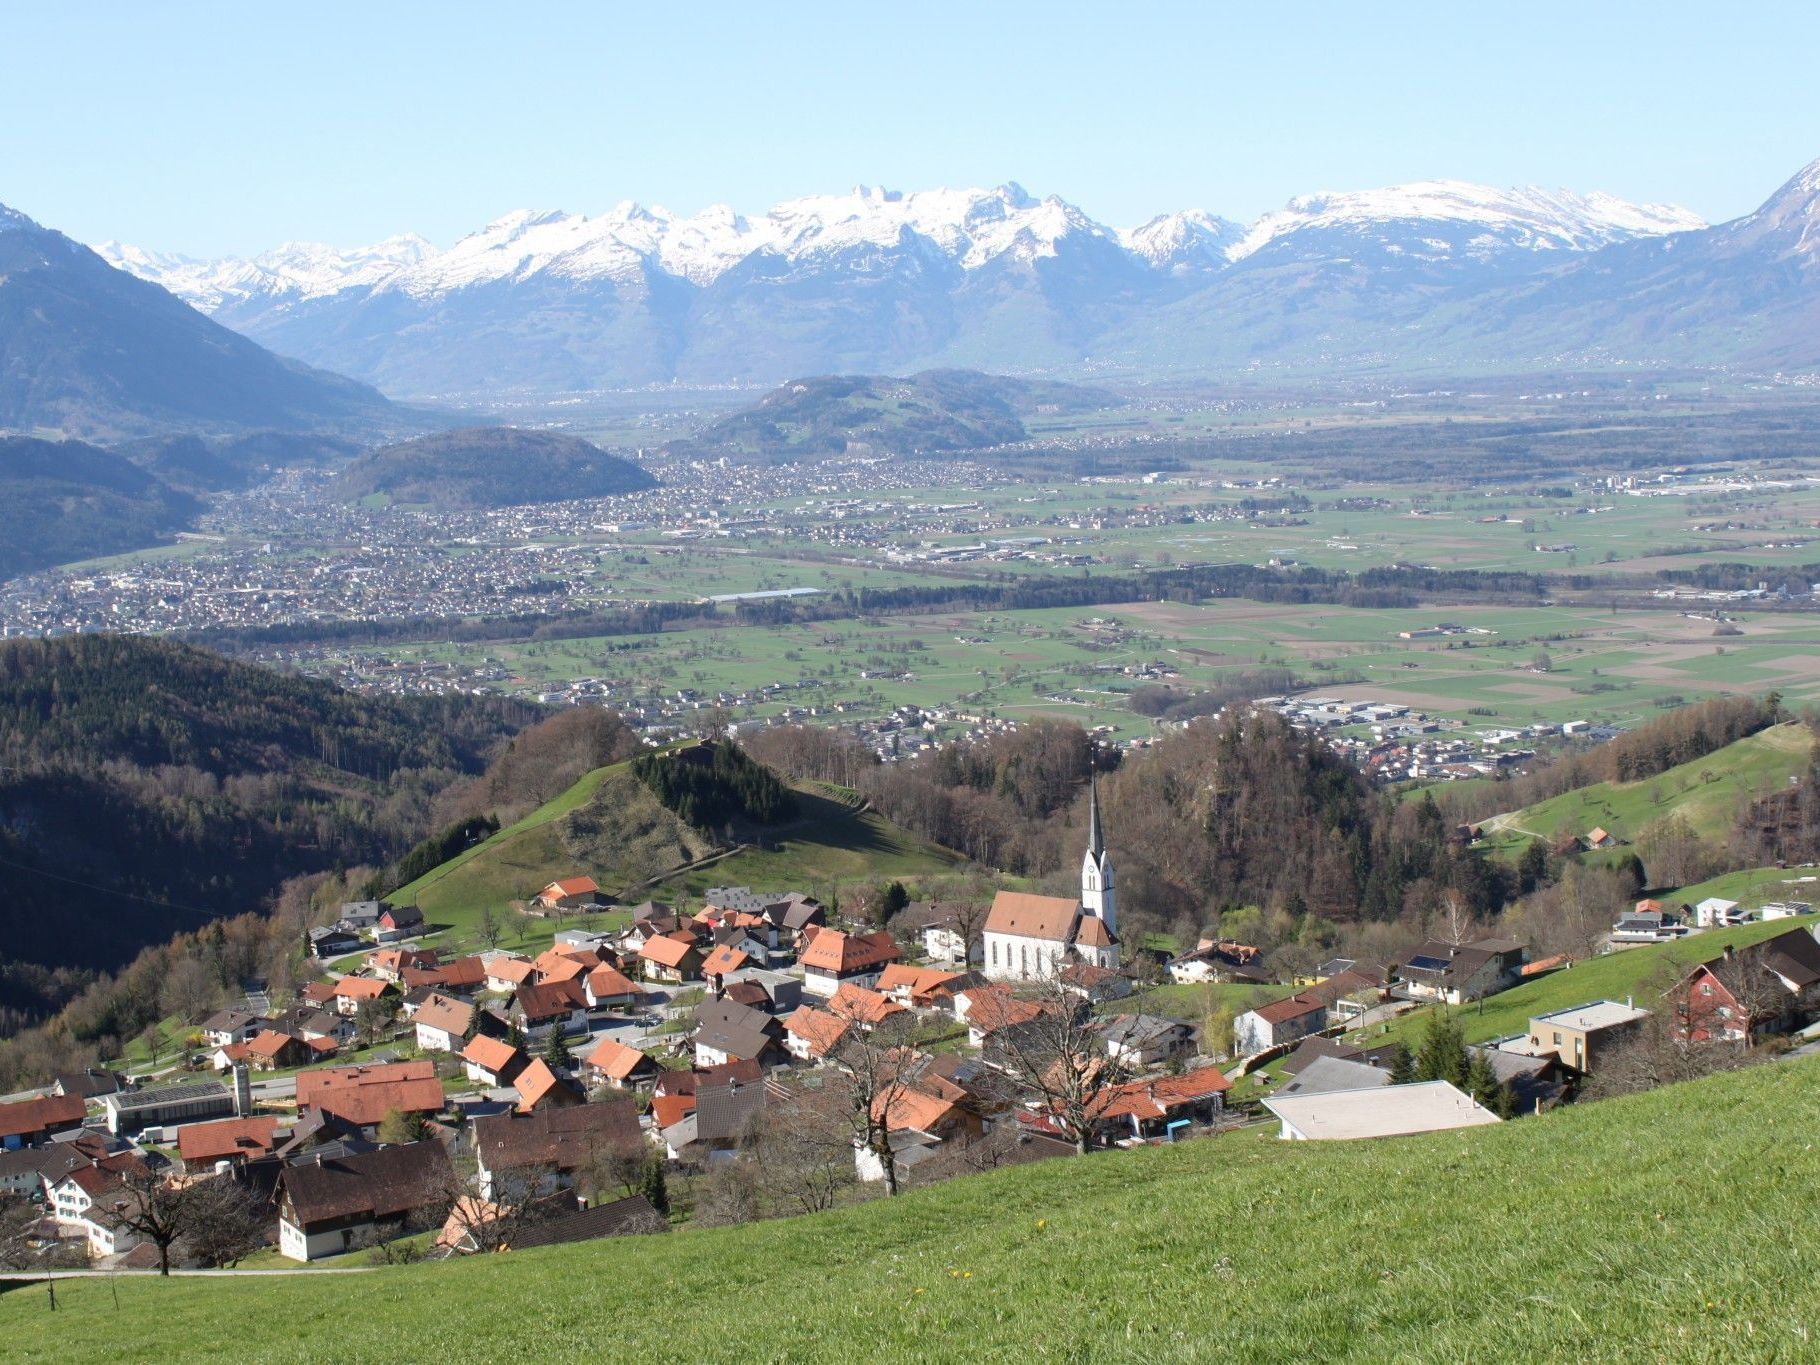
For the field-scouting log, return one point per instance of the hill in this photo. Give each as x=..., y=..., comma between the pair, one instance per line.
x=932, y=413
x=62, y=501
x=610, y=826
x=148, y=787
x=1706, y=792
x=490, y=467
x=95, y=352
x=1541, y=1239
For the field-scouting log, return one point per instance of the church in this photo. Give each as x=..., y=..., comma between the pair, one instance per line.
x=1031, y=938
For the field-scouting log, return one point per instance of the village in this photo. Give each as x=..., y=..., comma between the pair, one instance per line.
x=413, y=1103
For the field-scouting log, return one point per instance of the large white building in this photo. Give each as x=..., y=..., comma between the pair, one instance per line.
x=1030, y=938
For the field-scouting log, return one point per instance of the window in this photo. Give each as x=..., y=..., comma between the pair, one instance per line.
x=1557, y=1040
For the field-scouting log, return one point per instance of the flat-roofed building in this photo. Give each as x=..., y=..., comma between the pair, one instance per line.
x=1377, y=1111
x=1579, y=1035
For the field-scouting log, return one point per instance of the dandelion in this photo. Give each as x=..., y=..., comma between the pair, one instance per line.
x=1041, y=1223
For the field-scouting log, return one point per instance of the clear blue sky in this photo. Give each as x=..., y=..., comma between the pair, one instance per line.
x=225, y=128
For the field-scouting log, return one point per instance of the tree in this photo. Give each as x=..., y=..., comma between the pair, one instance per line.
x=891, y=901
x=372, y=1018
x=1058, y=1054
x=1652, y=1055
x=155, y=1211
x=873, y=1066
x=556, y=1050
x=226, y=1222
x=801, y=1147
x=400, y=1126
x=1482, y=1082
x=1402, y=1065
x=490, y=928
x=1441, y=1055
x=1532, y=867
x=655, y=1187
x=153, y=1038
x=1218, y=1029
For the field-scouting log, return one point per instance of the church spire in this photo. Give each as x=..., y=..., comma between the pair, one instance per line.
x=1096, y=837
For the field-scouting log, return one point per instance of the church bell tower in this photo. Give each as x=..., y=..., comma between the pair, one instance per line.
x=1098, y=885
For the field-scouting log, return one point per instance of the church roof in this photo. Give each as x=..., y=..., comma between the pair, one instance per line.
x=1093, y=933
x=1031, y=916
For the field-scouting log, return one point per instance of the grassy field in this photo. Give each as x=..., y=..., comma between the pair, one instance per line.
x=1706, y=792
x=1448, y=1247
x=1634, y=973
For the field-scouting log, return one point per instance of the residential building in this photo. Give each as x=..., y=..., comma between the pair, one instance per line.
x=443, y=1023
x=570, y=893
x=202, y=1146
x=1377, y=1111
x=326, y=1204
x=1579, y=1036
x=1140, y=1041
x=25, y=1123
x=1455, y=973
x=492, y=1061
x=1281, y=1021
x=551, y=1145
x=833, y=959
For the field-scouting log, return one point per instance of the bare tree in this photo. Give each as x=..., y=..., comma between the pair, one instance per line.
x=225, y=1222
x=155, y=1210
x=1056, y=1050
x=873, y=1074
x=490, y=928
x=521, y=1197
x=1654, y=1055
x=802, y=1149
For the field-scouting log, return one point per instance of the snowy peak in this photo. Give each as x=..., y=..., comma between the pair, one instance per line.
x=291, y=271
x=11, y=220
x=1788, y=223
x=1444, y=217
x=1183, y=242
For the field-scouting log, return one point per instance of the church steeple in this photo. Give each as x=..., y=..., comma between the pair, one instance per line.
x=1096, y=837
x=1097, y=888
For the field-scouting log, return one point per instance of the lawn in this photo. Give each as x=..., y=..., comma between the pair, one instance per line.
x=1441, y=1248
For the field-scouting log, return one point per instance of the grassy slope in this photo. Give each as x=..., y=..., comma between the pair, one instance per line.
x=1543, y=1239
x=609, y=826
x=1706, y=792
x=1635, y=972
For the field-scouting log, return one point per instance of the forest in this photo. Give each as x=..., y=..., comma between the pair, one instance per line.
x=714, y=784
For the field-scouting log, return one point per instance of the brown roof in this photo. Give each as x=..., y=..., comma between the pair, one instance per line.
x=613, y=1058
x=363, y=1095
x=1031, y=916
x=1093, y=932
x=572, y=886
x=368, y=1185
x=567, y=1138
x=454, y=1017
x=1158, y=1097
x=1294, y=1007
x=840, y=953
x=41, y=1115
x=269, y=1044
x=667, y=952
x=464, y=973
x=227, y=1138
x=550, y=999
x=903, y=1108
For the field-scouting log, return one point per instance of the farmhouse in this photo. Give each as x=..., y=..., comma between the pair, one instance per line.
x=834, y=959
x=324, y=1205
x=1282, y=1021
x=570, y=893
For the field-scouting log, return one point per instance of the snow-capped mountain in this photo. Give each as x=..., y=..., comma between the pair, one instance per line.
x=877, y=281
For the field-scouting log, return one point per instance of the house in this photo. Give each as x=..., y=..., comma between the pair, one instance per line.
x=614, y=1063
x=1767, y=987
x=1784, y=909
x=722, y=962
x=362, y=917
x=1377, y=1111
x=131, y=1111
x=833, y=959
x=1282, y=1021
x=1646, y=926
x=390, y=964
x=224, y=1028
x=236, y=1141
x=1579, y=1035
x=761, y=988
x=465, y=976
x=491, y=1061
x=1030, y=937
x=351, y=992
x=710, y=1134
x=606, y=987
x=90, y=1084
x=1314, y=1047
x=1600, y=838
x=950, y=930
x=539, y=1087
x=731, y=1032
x=1715, y=912
x=25, y=1123
x=443, y=1024
x=1455, y=973
x=363, y=1095
x=1139, y=1041
x=547, y=1148
x=1534, y=1083
x=570, y=893
x=506, y=972
x=325, y=1205
x=1095, y=985
x=810, y=1035
x=1161, y=1105
x=1219, y=960
x=918, y=987
x=674, y=960
x=990, y=1010
x=398, y=922
x=559, y=1005
x=271, y=1050
x=559, y=1220
x=332, y=940
x=868, y=1009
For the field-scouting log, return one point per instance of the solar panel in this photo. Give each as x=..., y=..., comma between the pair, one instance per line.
x=1429, y=964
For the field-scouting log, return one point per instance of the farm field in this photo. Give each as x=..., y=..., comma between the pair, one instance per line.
x=1368, y=1243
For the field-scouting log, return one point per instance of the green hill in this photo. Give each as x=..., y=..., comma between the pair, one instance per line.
x=490, y=467
x=61, y=501
x=1706, y=792
x=610, y=827
x=1542, y=1239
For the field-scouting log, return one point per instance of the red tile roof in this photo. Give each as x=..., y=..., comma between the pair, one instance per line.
x=226, y=1138
x=845, y=954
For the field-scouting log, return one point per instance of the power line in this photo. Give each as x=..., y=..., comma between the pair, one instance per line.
x=111, y=891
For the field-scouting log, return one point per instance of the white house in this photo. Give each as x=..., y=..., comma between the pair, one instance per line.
x=1715, y=912
x=1282, y=1021
x=1031, y=937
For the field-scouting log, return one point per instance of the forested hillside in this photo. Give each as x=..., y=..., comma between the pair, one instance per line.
x=147, y=787
x=63, y=500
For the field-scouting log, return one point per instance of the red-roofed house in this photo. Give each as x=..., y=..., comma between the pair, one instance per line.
x=614, y=1063
x=833, y=958
x=351, y=992
x=491, y=1061
x=201, y=1145
x=671, y=960
x=1282, y=1021
x=541, y=1088
x=570, y=893
x=609, y=988
x=1146, y=1108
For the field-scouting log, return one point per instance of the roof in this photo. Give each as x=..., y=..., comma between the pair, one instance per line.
x=454, y=1017
x=491, y=1053
x=361, y=988
x=1158, y=1097
x=41, y=1115
x=725, y=958
x=1294, y=1007
x=833, y=951
x=994, y=1007
x=401, y=915
x=537, y=1083
x=1134, y=1030
x=228, y=1021
x=1032, y=916
x=821, y=1030
x=723, y=1111
x=1311, y=1049
x=568, y=1137
x=1588, y=1018
x=615, y=1059
x=1794, y=955
x=572, y=886
x=621, y=1218
x=550, y=999
x=512, y=969
x=735, y=1029
x=919, y=981
x=607, y=982
x=1325, y=1074
x=667, y=952
x=184, y=1092
x=1092, y=931
x=227, y=1138
x=861, y=1005
x=905, y=1108
x=269, y=1044
x=368, y=1185
x=463, y=973
x=1380, y=1111
x=364, y=1095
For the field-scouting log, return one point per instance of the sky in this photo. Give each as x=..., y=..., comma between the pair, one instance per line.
x=224, y=129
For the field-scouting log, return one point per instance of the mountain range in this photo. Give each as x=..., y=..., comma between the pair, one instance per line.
x=89, y=350
x=1432, y=275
